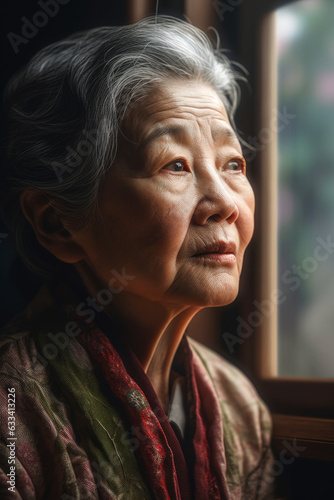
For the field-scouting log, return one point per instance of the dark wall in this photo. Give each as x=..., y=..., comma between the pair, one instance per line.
x=24, y=31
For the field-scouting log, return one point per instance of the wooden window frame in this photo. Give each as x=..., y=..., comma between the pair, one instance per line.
x=139, y=9
x=303, y=408
x=199, y=12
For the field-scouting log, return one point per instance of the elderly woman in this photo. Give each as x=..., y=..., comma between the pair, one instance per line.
x=126, y=189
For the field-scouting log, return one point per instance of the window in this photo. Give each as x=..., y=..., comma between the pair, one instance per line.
x=305, y=164
x=288, y=48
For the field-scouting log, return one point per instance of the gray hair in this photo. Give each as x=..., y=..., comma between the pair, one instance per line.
x=66, y=106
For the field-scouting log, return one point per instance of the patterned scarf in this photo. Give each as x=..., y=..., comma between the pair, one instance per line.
x=156, y=445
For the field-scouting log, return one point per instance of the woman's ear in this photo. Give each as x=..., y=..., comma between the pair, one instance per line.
x=48, y=226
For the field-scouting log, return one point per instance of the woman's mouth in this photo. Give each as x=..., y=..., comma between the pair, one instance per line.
x=221, y=252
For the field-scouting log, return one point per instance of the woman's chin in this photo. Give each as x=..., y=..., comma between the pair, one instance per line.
x=221, y=299
x=212, y=296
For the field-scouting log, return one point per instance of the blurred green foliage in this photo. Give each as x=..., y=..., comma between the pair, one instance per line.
x=305, y=42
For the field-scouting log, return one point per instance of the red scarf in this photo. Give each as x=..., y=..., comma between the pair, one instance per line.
x=159, y=452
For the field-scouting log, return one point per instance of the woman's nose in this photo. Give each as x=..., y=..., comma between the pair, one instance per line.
x=216, y=201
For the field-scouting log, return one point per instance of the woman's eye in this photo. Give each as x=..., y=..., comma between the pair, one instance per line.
x=236, y=165
x=176, y=166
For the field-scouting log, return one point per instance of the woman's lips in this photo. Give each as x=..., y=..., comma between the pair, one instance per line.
x=221, y=258
x=221, y=252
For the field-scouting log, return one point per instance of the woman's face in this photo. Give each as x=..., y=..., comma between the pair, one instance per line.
x=176, y=206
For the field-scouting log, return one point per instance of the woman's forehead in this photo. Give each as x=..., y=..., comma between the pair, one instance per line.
x=173, y=107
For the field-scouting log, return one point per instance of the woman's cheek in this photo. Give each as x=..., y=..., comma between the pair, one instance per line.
x=246, y=226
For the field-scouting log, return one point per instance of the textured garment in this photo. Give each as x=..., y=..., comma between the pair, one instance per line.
x=88, y=424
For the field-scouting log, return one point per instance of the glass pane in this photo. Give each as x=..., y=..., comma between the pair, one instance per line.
x=305, y=46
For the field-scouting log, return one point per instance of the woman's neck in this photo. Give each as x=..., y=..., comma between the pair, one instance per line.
x=154, y=334
x=153, y=331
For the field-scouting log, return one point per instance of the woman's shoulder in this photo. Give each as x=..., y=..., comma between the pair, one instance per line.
x=19, y=356
x=246, y=424
x=221, y=370
x=236, y=393
x=19, y=363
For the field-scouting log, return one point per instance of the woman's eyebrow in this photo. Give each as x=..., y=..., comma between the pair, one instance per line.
x=160, y=131
x=218, y=133
x=224, y=133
